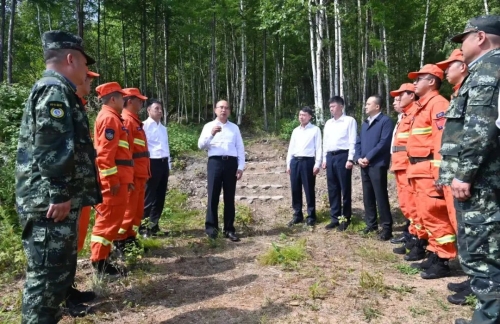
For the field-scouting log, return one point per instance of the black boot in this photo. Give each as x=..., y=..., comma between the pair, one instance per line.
x=77, y=310
x=417, y=252
x=400, y=250
x=426, y=264
x=462, y=321
x=77, y=297
x=439, y=269
x=407, y=246
x=103, y=267
x=460, y=298
x=458, y=287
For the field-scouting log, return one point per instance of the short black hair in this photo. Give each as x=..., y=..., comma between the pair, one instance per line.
x=336, y=99
x=55, y=55
x=308, y=110
x=126, y=100
x=437, y=81
x=105, y=99
x=378, y=99
x=153, y=101
x=408, y=92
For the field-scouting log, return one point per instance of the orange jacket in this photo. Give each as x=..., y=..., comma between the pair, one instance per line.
x=114, y=158
x=138, y=144
x=424, y=142
x=399, y=156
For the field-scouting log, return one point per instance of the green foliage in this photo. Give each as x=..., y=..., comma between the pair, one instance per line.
x=371, y=313
x=176, y=215
x=12, y=258
x=372, y=282
x=287, y=127
x=182, y=138
x=406, y=269
x=288, y=255
x=471, y=301
x=317, y=291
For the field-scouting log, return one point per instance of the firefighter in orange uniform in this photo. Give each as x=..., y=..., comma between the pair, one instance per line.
x=399, y=161
x=140, y=154
x=84, y=220
x=116, y=173
x=423, y=148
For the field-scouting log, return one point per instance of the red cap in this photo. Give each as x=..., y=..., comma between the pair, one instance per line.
x=404, y=87
x=107, y=88
x=428, y=69
x=456, y=55
x=91, y=74
x=134, y=92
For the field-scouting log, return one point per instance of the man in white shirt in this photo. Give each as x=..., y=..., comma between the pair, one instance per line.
x=159, y=154
x=226, y=161
x=302, y=164
x=339, y=140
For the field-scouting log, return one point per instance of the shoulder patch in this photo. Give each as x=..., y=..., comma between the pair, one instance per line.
x=440, y=115
x=109, y=134
x=440, y=123
x=56, y=109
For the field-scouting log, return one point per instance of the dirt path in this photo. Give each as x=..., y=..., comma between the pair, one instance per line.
x=347, y=278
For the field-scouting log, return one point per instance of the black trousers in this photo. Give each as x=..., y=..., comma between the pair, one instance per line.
x=301, y=175
x=221, y=174
x=156, y=190
x=374, y=181
x=339, y=185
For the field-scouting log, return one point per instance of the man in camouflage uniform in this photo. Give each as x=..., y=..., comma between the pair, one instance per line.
x=55, y=176
x=472, y=153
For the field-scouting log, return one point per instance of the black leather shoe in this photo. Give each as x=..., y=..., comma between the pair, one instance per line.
x=156, y=231
x=232, y=236
x=458, y=287
x=76, y=297
x=343, y=226
x=78, y=310
x=462, y=321
x=295, y=221
x=332, y=225
x=427, y=263
x=460, y=298
x=398, y=240
x=311, y=222
x=385, y=235
x=439, y=269
x=400, y=250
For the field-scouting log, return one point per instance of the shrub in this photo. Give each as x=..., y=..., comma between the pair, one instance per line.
x=287, y=127
x=182, y=138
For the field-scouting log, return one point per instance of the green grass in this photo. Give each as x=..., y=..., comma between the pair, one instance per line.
x=12, y=257
x=406, y=269
x=176, y=216
x=286, y=255
x=374, y=255
x=317, y=290
x=418, y=311
x=372, y=282
x=371, y=313
x=471, y=300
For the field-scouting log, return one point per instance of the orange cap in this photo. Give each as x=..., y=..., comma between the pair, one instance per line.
x=134, y=92
x=428, y=69
x=456, y=55
x=404, y=87
x=107, y=88
x=91, y=74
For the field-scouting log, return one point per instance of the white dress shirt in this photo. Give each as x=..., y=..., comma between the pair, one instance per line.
x=157, y=137
x=226, y=142
x=400, y=115
x=305, y=141
x=340, y=134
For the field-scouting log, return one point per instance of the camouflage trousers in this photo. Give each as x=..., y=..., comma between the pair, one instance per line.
x=51, y=251
x=478, y=241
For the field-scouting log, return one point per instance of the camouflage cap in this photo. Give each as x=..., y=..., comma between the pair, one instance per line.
x=489, y=24
x=56, y=39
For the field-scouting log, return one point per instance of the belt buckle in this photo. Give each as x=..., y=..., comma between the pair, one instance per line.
x=225, y=157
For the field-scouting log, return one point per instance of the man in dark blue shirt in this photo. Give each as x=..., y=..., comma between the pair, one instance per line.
x=373, y=155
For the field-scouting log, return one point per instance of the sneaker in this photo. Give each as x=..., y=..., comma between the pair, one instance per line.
x=426, y=264
x=439, y=269
x=77, y=297
x=458, y=287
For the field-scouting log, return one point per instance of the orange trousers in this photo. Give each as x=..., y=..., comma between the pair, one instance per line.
x=135, y=209
x=432, y=213
x=83, y=226
x=108, y=219
x=450, y=205
x=406, y=199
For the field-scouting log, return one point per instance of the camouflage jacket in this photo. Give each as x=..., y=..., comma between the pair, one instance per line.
x=470, y=148
x=55, y=154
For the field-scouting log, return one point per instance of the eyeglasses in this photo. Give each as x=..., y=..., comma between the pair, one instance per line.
x=417, y=80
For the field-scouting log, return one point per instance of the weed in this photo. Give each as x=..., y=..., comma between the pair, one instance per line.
x=402, y=289
x=374, y=255
x=471, y=300
x=151, y=243
x=244, y=215
x=176, y=215
x=357, y=224
x=372, y=282
x=288, y=256
x=317, y=291
x=99, y=285
x=406, y=269
x=133, y=254
x=283, y=237
x=444, y=306
x=371, y=313
x=417, y=311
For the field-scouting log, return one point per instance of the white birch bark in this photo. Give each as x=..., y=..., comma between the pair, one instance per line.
x=329, y=53
x=241, y=107
x=425, y=33
x=486, y=7
x=386, y=74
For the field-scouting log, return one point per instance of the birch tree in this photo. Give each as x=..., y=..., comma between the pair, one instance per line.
x=425, y=33
x=241, y=106
x=386, y=73
x=486, y=7
x=10, y=44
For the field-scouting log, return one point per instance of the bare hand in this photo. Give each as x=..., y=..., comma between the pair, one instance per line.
x=131, y=187
x=315, y=171
x=239, y=174
x=361, y=163
x=58, y=212
x=323, y=165
x=348, y=165
x=366, y=162
x=460, y=190
x=288, y=170
x=216, y=129
x=114, y=190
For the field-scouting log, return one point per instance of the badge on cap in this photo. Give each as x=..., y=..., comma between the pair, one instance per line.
x=109, y=134
x=56, y=109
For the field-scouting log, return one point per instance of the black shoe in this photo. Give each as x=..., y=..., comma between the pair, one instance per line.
x=398, y=240
x=343, y=226
x=332, y=225
x=77, y=297
x=311, y=222
x=385, y=235
x=462, y=321
x=400, y=250
x=458, y=287
x=417, y=252
x=103, y=267
x=439, y=269
x=295, y=221
x=427, y=263
x=78, y=310
x=212, y=236
x=156, y=231
x=460, y=298
x=368, y=230
x=232, y=236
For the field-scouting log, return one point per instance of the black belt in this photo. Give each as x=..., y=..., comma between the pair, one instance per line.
x=125, y=162
x=140, y=155
x=415, y=160
x=165, y=159
x=223, y=157
x=338, y=152
x=398, y=149
x=303, y=157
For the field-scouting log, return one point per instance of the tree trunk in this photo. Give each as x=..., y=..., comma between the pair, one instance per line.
x=339, y=49
x=143, y=49
x=319, y=51
x=264, y=85
x=425, y=34
x=10, y=43
x=360, y=48
x=124, y=54
x=80, y=15
x=486, y=7
x=312, y=38
x=155, y=51
x=386, y=74
x=241, y=107
x=213, y=62
x=365, y=67
x=2, y=38
x=165, y=66
x=39, y=20
x=329, y=48
x=98, y=35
